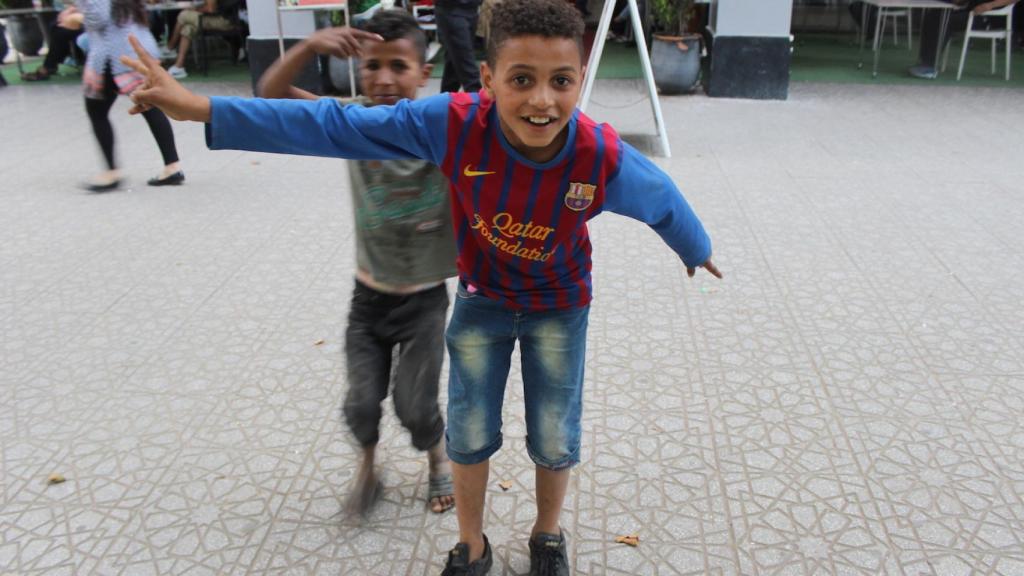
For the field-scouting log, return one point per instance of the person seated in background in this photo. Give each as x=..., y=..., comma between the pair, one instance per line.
x=161, y=22
x=931, y=44
x=63, y=35
x=620, y=28
x=187, y=28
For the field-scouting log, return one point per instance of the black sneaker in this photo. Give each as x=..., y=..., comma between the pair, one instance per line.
x=547, y=555
x=459, y=565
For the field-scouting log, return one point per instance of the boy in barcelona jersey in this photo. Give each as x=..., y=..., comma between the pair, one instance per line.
x=527, y=171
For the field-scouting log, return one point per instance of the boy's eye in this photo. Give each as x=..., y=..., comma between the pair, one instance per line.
x=520, y=80
x=399, y=67
x=371, y=65
x=562, y=81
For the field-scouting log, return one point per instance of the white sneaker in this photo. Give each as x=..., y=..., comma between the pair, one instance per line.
x=178, y=73
x=167, y=54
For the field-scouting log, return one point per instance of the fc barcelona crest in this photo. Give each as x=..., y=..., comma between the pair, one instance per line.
x=580, y=196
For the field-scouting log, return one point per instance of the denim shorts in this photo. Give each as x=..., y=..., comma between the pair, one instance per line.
x=481, y=336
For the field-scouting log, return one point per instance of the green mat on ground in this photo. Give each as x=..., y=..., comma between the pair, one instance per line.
x=220, y=71
x=834, y=58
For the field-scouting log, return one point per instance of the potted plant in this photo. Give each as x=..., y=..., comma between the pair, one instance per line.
x=675, y=49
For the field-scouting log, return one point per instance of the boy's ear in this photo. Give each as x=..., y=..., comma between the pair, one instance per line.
x=486, y=77
x=427, y=69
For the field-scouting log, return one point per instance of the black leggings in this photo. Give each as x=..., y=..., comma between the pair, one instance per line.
x=99, y=111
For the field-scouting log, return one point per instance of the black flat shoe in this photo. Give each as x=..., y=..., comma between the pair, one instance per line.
x=173, y=180
x=38, y=75
x=91, y=187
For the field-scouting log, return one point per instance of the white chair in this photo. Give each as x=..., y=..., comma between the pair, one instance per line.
x=1005, y=35
x=895, y=15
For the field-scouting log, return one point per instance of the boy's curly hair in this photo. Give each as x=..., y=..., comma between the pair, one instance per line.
x=397, y=24
x=547, y=18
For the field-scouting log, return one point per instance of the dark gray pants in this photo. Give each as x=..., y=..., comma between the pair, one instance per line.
x=378, y=322
x=456, y=28
x=930, y=52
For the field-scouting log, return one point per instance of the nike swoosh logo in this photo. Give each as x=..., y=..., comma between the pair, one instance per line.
x=471, y=173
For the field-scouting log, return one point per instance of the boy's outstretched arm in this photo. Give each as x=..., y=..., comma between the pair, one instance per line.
x=409, y=129
x=342, y=42
x=162, y=91
x=643, y=191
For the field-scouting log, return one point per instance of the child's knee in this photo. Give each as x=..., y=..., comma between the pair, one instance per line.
x=421, y=421
x=552, y=441
x=472, y=436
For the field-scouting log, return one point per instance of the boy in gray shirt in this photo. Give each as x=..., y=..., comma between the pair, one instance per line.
x=405, y=250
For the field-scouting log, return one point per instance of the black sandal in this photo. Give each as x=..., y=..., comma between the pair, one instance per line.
x=40, y=74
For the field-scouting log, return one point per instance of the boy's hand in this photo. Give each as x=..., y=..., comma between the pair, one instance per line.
x=707, y=265
x=160, y=89
x=343, y=42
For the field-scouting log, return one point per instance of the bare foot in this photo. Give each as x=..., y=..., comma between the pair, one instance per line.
x=106, y=178
x=367, y=488
x=170, y=169
x=440, y=494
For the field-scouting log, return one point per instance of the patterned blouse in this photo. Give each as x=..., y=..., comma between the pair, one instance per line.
x=108, y=40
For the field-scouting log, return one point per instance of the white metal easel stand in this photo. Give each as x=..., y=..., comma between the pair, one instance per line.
x=645, y=61
x=343, y=6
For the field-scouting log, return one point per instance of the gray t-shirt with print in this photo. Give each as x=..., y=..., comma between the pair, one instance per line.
x=403, y=221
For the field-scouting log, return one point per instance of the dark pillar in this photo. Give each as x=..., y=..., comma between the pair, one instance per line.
x=750, y=49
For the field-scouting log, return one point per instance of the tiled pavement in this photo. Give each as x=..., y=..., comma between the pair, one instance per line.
x=850, y=400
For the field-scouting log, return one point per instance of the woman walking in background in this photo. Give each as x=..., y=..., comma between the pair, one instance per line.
x=109, y=23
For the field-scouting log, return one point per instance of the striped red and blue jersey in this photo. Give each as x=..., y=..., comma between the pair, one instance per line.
x=521, y=226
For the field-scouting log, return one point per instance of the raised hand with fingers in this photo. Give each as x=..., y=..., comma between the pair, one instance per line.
x=343, y=42
x=162, y=91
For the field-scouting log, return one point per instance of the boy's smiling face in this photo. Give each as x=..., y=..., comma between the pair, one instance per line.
x=390, y=71
x=535, y=82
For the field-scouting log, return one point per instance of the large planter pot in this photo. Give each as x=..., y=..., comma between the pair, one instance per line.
x=26, y=34
x=676, y=63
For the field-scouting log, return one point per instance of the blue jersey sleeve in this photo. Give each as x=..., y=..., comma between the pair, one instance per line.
x=325, y=127
x=643, y=191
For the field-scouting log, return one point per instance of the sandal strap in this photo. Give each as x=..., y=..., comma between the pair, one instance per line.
x=438, y=486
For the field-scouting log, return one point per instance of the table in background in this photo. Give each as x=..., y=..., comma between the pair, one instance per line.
x=882, y=6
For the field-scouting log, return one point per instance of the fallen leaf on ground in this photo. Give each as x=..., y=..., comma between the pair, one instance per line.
x=255, y=162
x=632, y=540
x=318, y=342
x=505, y=484
x=55, y=478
